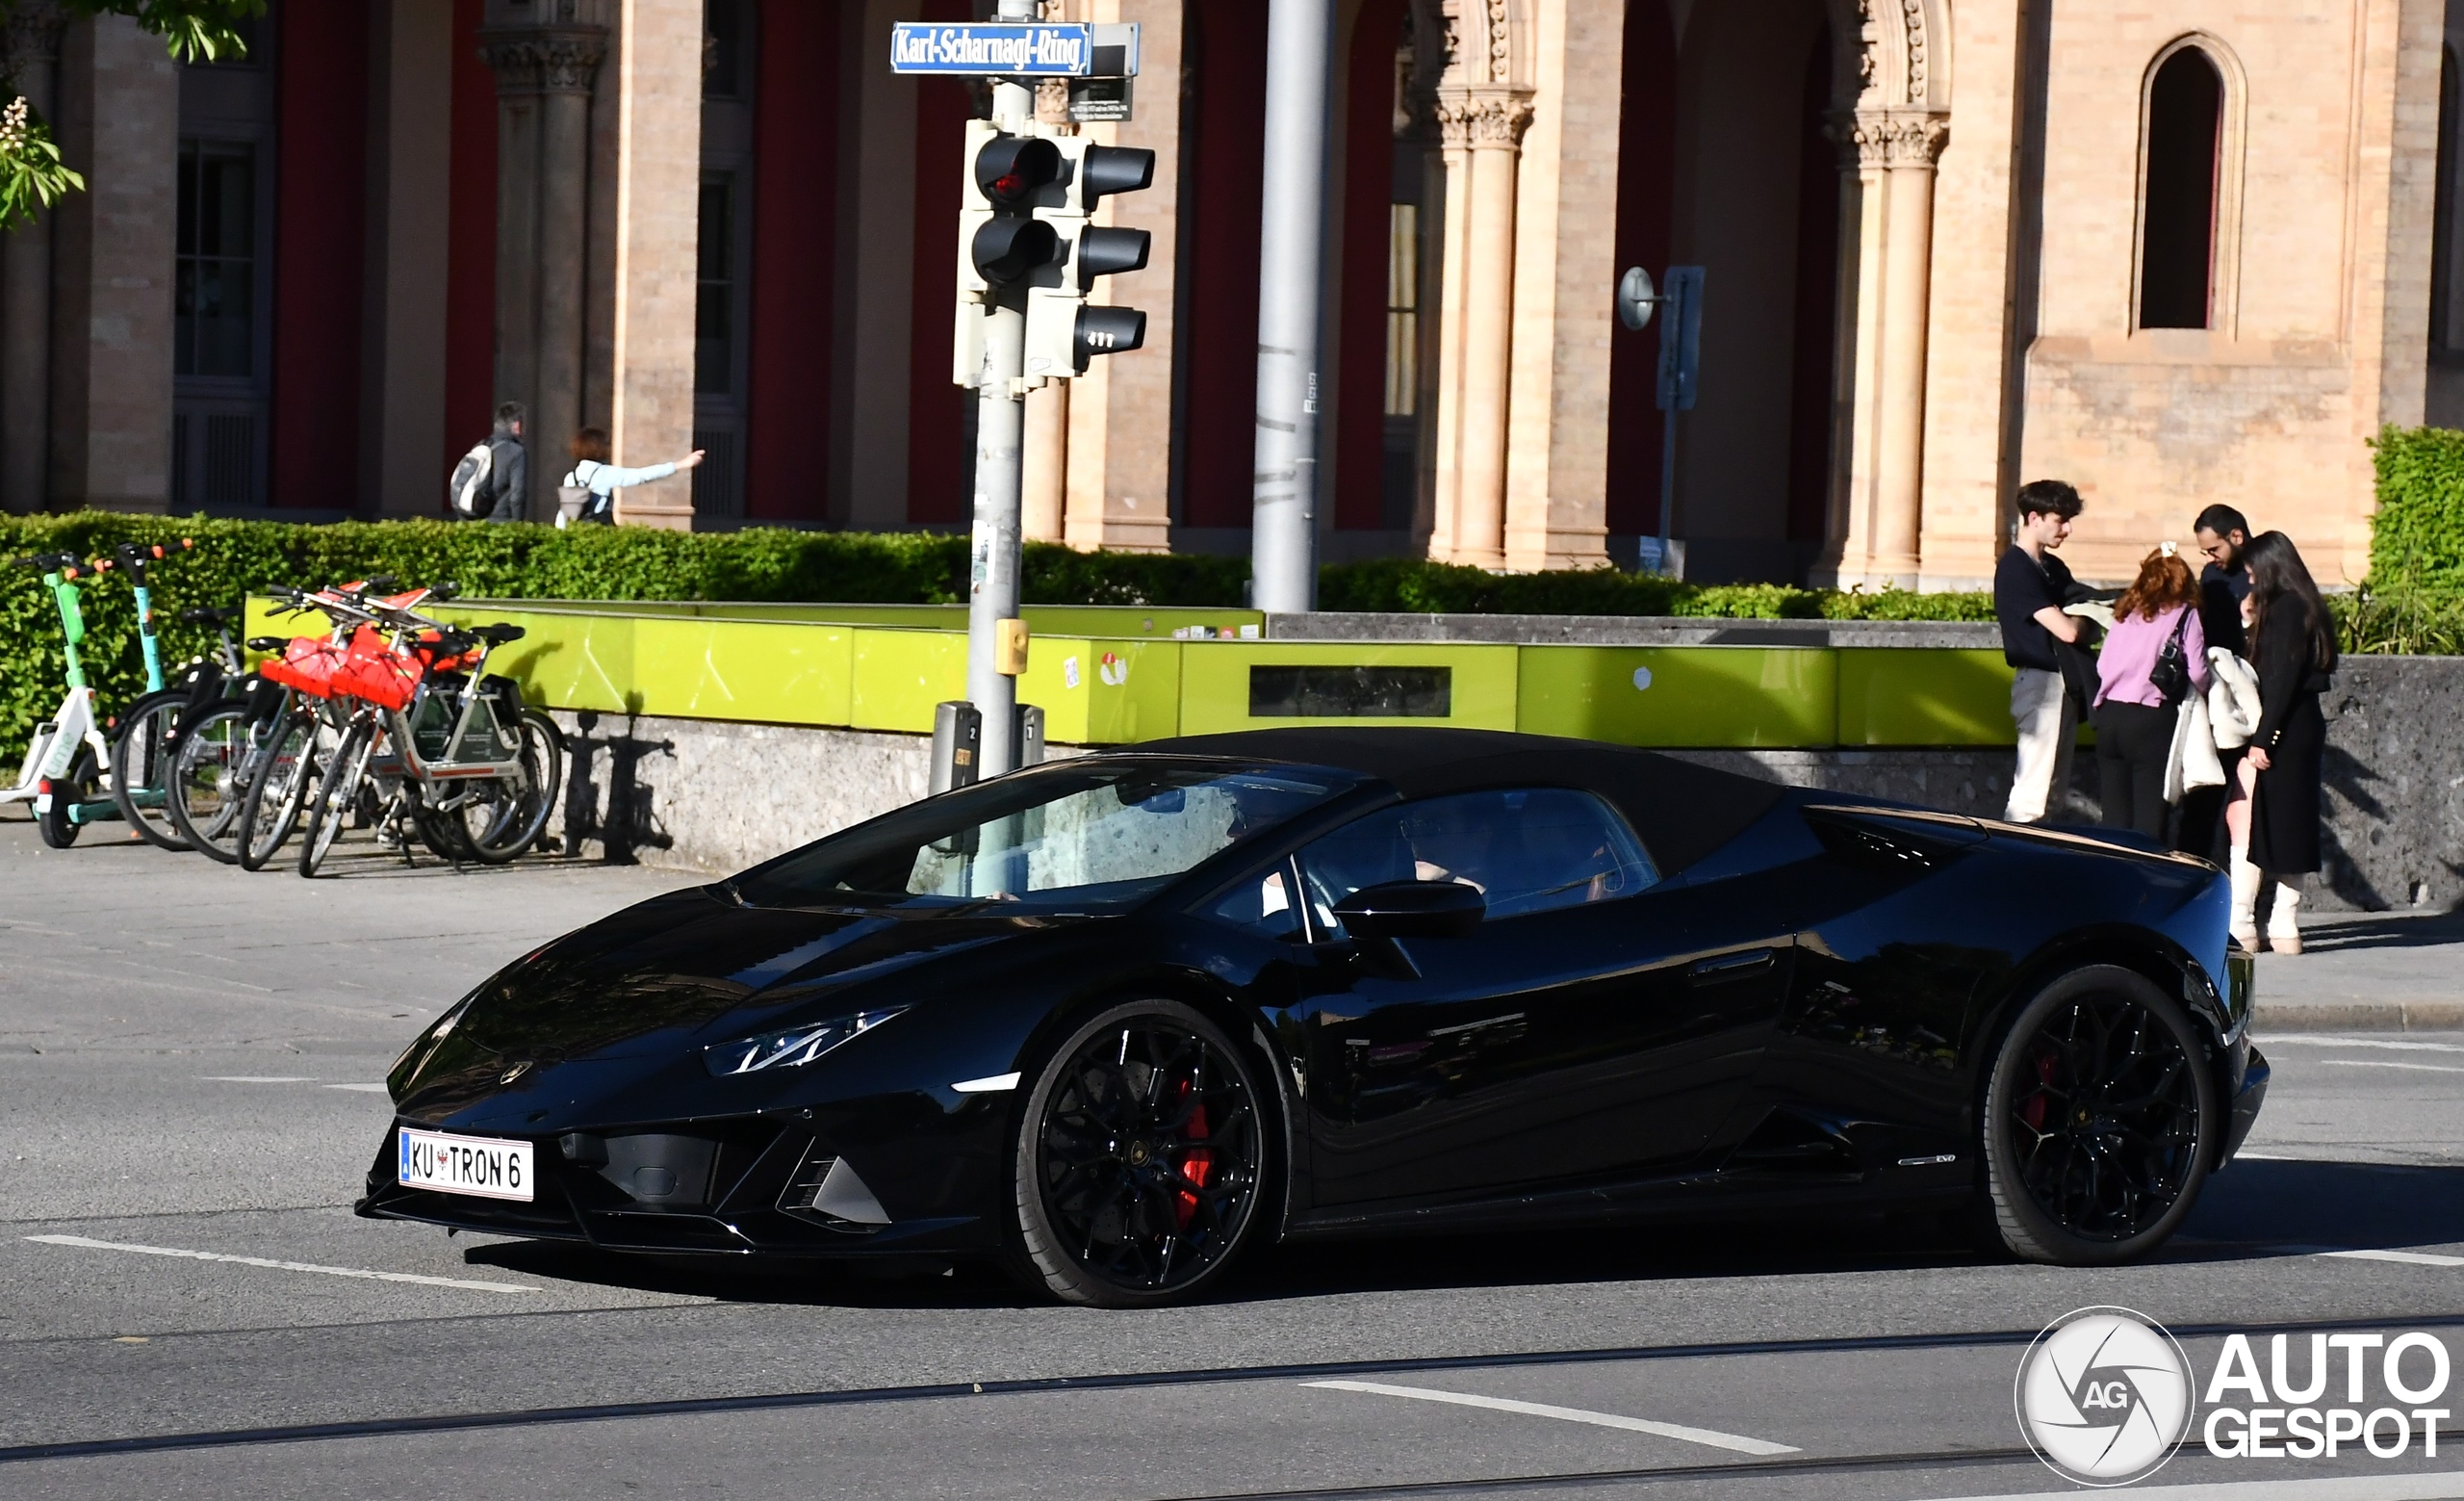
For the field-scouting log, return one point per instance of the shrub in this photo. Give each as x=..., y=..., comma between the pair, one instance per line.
x=2417, y=537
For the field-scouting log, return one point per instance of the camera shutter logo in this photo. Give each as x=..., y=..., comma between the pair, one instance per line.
x=2104, y=1396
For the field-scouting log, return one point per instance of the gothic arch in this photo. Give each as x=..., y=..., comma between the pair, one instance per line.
x=2224, y=274
x=1894, y=54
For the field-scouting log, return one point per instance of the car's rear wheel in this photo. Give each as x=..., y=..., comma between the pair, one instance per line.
x=2100, y=1118
x=1141, y=1157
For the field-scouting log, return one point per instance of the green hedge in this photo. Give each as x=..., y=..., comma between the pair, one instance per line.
x=607, y=564
x=2417, y=537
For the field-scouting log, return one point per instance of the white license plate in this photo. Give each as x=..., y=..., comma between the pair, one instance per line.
x=476, y=1165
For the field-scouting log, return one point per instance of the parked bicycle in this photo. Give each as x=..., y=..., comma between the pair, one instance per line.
x=434, y=741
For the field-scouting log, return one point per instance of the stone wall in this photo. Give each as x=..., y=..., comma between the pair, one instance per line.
x=713, y=795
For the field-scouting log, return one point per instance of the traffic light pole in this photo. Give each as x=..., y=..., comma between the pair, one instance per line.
x=1283, y=536
x=1000, y=426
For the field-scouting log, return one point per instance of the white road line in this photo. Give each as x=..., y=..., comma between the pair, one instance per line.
x=2381, y=1062
x=2407, y=1258
x=2447, y=1487
x=1465, y=1399
x=363, y=1088
x=82, y=1243
x=258, y=1078
x=2305, y=1039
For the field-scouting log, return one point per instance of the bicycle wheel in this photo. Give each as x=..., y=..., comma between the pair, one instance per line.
x=142, y=767
x=58, y=830
x=502, y=816
x=204, y=787
x=337, y=796
x=277, y=789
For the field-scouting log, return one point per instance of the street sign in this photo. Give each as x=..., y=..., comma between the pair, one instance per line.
x=1036, y=49
x=1681, y=338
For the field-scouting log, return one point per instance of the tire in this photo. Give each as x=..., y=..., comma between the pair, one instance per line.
x=336, y=797
x=54, y=825
x=140, y=769
x=506, y=815
x=277, y=789
x=1140, y=1159
x=2101, y=1115
x=204, y=793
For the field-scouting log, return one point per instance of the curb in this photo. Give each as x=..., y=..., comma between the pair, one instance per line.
x=2360, y=1016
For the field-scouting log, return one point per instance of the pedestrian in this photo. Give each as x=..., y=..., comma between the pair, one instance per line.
x=2293, y=646
x=492, y=482
x=2029, y=589
x=2224, y=584
x=2233, y=714
x=2150, y=672
x=590, y=490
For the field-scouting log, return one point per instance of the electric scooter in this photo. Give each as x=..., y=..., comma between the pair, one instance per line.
x=64, y=763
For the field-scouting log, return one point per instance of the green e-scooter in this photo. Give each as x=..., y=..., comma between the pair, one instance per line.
x=64, y=774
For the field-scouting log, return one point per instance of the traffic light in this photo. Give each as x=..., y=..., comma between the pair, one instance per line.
x=1064, y=333
x=1001, y=240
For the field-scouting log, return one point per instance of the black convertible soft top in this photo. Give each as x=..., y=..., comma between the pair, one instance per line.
x=1682, y=810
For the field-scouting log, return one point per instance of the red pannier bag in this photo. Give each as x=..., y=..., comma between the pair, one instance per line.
x=308, y=664
x=373, y=670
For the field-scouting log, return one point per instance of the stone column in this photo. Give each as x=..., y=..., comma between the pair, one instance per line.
x=543, y=77
x=1481, y=130
x=656, y=264
x=1044, y=464
x=402, y=391
x=113, y=249
x=33, y=41
x=1892, y=152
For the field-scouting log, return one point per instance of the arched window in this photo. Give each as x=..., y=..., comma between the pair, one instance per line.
x=2177, y=236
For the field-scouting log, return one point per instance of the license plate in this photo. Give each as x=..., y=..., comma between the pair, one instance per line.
x=476, y=1165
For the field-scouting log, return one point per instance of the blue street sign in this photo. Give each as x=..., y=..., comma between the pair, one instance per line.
x=1680, y=337
x=999, y=49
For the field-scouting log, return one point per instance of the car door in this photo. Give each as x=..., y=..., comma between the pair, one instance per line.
x=1591, y=1028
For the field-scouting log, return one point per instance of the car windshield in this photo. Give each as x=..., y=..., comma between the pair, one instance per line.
x=1078, y=835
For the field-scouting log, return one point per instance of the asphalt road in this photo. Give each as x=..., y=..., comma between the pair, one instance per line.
x=188, y=1058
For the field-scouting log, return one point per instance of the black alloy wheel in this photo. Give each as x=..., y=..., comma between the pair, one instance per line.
x=1142, y=1155
x=2101, y=1119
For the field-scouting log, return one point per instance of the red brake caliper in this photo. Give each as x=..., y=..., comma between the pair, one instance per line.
x=2033, y=1112
x=1196, y=1164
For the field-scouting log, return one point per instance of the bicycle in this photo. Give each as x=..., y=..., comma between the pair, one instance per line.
x=282, y=761
x=144, y=739
x=443, y=745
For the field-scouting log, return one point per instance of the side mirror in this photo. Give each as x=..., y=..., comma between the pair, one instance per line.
x=1413, y=909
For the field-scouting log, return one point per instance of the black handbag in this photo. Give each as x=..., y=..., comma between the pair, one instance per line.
x=2170, y=675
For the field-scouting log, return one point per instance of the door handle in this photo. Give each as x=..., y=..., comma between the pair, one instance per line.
x=1733, y=966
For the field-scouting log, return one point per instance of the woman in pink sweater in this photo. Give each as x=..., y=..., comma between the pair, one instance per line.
x=2135, y=713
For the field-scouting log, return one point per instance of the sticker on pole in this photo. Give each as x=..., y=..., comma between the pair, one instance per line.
x=1006, y=49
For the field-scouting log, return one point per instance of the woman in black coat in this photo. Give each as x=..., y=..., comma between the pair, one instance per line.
x=2293, y=645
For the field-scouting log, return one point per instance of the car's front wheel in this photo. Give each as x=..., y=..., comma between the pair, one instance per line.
x=1141, y=1157
x=2100, y=1118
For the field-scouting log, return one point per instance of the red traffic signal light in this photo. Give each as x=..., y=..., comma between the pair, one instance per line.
x=1009, y=169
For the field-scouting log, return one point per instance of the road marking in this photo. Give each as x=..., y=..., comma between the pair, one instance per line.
x=82, y=1243
x=2407, y=1258
x=258, y=1078
x=363, y=1088
x=2448, y=1486
x=2367, y=1042
x=993, y=1084
x=2381, y=1062
x=1465, y=1399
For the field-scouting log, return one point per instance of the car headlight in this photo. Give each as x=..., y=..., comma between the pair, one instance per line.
x=791, y=1048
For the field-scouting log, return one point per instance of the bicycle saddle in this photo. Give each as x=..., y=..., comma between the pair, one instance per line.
x=499, y=634
x=208, y=616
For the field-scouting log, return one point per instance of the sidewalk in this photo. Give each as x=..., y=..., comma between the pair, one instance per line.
x=2380, y=972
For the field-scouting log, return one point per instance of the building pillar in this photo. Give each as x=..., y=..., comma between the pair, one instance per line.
x=658, y=214
x=1481, y=130
x=113, y=252
x=409, y=209
x=1892, y=154
x=33, y=41
x=1044, y=464
x=543, y=77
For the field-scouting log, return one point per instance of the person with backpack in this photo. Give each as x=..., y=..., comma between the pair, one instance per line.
x=2155, y=659
x=492, y=482
x=590, y=489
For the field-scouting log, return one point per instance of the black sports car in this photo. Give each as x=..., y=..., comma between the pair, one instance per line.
x=1111, y=1019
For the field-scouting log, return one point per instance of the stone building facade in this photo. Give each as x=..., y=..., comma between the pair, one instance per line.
x=2195, y=253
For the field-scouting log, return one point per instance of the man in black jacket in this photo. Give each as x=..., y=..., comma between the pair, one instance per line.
x=2030, y=587
x=509, y=465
